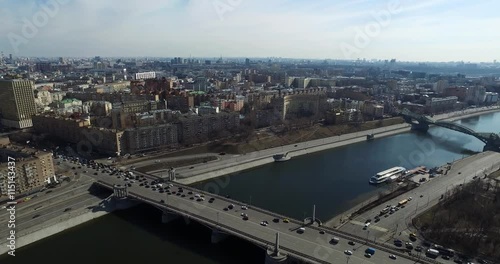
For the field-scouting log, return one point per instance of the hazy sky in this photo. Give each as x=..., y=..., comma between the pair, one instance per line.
x=418, y=30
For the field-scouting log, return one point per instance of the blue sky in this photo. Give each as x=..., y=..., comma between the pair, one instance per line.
x=416, y=30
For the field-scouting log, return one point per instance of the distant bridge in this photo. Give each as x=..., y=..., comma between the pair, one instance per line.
x=422, y=123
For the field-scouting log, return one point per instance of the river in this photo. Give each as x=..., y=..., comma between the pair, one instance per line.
x=332, y=180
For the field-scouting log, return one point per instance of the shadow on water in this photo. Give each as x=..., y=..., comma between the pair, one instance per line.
x=457, y=143
x=137, y=235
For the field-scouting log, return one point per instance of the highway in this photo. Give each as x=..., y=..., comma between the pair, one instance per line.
x=45, y=207
x=310, y=243
x=398, y=225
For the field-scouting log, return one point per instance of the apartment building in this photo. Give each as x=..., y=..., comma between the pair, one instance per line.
x=440, y=105
x=32, y=168
x=149, y=138
x=80, y=131
x=180, y=103
x=196, y=129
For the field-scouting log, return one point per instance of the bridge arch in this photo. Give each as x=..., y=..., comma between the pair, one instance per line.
x=421, y=122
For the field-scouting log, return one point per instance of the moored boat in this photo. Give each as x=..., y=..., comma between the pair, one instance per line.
x=281, y=157
x=386, y=175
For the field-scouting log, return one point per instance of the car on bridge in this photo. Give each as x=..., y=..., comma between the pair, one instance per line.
x=347, y=252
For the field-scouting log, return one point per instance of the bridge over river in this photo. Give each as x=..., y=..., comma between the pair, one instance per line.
x=283, y=240
x=422, y=123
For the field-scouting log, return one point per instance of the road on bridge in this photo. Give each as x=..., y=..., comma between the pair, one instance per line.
x=310, y=243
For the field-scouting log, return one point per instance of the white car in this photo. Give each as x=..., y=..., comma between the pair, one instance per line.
x=348, y=252
x=244, y=207
x=264, y=223
x=392, y=257
x=409, y=198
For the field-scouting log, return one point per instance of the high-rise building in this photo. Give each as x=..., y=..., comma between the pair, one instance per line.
x=18, y=102
x=44, y=66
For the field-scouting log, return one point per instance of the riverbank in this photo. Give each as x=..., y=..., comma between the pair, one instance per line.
x=259, y=158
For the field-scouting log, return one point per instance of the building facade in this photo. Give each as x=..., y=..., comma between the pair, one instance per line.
x=440, y=105
x=150, y=138
x=17, y=103
x=32, y=168
x=197, y=129
x=78, y=131
x=145, y=75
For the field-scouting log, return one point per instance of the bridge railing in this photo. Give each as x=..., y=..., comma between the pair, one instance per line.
x=342, y=234
x=229, y=230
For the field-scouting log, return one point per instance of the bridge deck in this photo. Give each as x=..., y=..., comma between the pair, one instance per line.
x=310, y=245
x=485, y=137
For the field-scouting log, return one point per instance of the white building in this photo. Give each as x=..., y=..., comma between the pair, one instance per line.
x=204, y=110
x=145, y=75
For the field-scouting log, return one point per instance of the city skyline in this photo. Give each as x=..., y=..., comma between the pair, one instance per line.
x=407, y=30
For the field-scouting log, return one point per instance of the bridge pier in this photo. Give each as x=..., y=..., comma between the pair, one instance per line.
x=420, y=127
x=217, y=236
x=168, y=217
x=120, y=191
x=273, y=254
x=491, y=147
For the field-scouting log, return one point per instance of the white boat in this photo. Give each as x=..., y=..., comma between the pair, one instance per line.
x=383, y=176
x=281, y=157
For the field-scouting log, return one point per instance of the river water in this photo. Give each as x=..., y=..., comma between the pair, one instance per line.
x=332, y=180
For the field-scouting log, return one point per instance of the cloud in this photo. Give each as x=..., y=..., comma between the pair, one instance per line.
x=287, y=28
